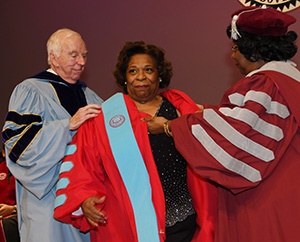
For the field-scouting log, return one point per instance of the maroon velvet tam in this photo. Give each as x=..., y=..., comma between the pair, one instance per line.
x=263, y=21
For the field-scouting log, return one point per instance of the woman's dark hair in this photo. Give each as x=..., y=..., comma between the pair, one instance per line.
x=268, y=48
x=130, y=49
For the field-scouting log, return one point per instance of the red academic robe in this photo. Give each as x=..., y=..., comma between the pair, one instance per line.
x=7, y=187
x=7, y=191
x=95, y=174
x=249, y=144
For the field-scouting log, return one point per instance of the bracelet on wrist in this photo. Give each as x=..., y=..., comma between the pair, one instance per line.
x=167, y=130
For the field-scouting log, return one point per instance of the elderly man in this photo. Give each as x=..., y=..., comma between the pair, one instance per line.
x=44, y=113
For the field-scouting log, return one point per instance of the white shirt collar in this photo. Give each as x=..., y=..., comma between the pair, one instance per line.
x=52, y=71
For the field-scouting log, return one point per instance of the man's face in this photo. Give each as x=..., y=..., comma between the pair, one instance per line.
x=71, y=62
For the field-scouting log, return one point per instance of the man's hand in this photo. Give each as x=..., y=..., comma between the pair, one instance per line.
x=92, y=213
x=155, y=124
x=83, y=114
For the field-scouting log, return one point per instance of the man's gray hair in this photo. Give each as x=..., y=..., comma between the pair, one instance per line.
x=54, y=43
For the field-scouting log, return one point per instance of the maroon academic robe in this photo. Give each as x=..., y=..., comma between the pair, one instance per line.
x=250, y=145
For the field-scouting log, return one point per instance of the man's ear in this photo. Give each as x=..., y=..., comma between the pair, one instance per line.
x=53, y=59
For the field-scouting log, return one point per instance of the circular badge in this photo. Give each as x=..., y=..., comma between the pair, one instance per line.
x=282, y=5
x=117, y=121
x=3, y=176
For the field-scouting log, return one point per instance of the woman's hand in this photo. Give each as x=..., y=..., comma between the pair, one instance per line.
x=6, y=210
x=200, y=107
x=155, y=124
x=92, y=213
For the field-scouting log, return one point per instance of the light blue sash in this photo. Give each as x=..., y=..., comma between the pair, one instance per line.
x=131, y=166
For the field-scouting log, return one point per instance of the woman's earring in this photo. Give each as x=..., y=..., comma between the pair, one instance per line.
x=253, y=58
x=160, y=80
x=125, y=83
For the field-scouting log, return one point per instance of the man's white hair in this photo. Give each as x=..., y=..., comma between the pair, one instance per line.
x=54, y=43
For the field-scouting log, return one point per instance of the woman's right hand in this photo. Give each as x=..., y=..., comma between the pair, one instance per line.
x=92, y=213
